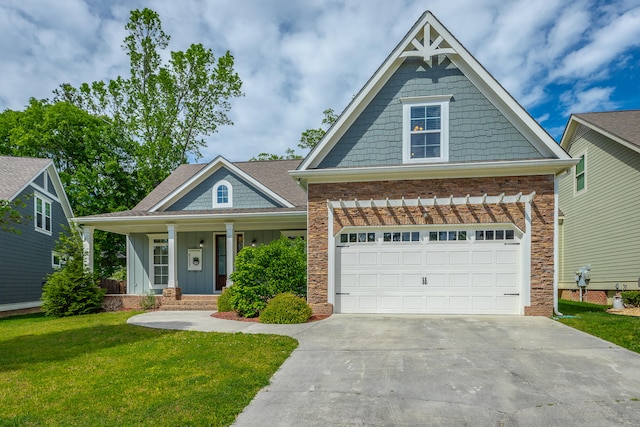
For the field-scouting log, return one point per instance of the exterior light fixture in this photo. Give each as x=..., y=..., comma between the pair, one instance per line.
x=201, y=243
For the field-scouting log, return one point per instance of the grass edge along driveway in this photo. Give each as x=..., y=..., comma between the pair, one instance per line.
x=98, y=370
x=594, y=320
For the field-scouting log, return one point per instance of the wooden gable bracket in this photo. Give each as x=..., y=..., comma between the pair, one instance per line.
x=427, y=49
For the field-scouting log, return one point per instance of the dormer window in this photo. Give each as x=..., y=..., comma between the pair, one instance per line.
x=222, y=195
x=425, y=133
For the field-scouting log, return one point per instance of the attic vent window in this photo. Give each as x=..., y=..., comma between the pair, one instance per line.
x=222, y=195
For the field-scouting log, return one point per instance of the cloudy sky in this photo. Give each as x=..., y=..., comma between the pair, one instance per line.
x=296, y=59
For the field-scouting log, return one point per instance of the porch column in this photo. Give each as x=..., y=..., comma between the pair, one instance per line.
x=230, y=252
x=171, y=236
x=87, y=248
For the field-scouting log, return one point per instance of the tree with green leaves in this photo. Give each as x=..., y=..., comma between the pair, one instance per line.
x=72, y=290
x=308, y=140
x=167, y=108
x=10, y=215
x=95, y=161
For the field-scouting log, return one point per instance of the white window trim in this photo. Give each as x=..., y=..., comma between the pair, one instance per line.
x=55, y=265
x=407, y=103
x=152, y=237
x=215, y=195
x=577, y=192
x=45, y=200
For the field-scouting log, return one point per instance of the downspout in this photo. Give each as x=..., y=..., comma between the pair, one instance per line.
x=555, y=246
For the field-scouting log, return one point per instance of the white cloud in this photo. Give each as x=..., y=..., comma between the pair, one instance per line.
x=584, y=101
x=605, y=45
x=298, y=58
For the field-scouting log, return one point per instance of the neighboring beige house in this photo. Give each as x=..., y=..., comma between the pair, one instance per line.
x=600, y=222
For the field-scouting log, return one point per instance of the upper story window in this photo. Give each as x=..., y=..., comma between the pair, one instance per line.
x=42, y=214
x=581, y=173
x=425, y=133
x=222, y=195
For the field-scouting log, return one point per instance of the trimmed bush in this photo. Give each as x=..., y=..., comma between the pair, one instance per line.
x=71, y=290
x=224, y=301
x=286, y=308
x=267, y=270
x=248, y=301
x=631, y=298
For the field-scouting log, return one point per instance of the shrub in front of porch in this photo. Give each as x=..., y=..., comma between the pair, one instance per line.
x=286, y=308
x=264, y=271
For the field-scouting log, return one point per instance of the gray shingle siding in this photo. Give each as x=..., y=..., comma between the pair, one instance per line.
x=244, y=195
x=477, y=130
x=25, y=258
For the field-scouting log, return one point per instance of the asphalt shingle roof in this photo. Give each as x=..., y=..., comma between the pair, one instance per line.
x=272, y=174
x=16, y=172
x=623, y=124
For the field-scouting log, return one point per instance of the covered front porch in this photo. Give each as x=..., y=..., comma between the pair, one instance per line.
x=188, y=254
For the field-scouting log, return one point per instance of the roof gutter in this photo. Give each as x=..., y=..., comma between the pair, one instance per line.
x=435, y=171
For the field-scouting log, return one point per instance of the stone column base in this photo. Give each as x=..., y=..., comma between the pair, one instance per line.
x=322, y=308
x=172, y=293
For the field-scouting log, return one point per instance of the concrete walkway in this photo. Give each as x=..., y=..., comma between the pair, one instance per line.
x=384, y=370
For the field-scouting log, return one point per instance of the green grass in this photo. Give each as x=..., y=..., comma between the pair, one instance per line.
x=593, y=319
x=97, y=370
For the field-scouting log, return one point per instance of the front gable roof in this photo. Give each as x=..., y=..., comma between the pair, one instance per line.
x=620, y=126
x=268, y=178
x=426, y=39
x=17, y=173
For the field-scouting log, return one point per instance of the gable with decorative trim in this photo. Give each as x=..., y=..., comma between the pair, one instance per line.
x=243, y=194
x=477, y=130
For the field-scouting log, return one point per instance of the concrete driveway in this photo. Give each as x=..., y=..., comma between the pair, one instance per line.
x=377, y=370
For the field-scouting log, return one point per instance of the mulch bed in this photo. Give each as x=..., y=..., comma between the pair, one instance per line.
x=232, y=315
x=630, y=311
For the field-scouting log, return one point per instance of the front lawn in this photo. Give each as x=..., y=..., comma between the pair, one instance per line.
x=594, y=320
x=97, y=370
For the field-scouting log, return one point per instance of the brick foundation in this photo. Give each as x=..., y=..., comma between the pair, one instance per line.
x=592, y=296
x=542, y=221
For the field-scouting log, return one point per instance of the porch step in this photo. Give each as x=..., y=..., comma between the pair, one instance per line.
x=191, y=303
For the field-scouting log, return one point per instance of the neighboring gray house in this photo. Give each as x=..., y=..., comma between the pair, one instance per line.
x=600, y=225
x=186, y=232
x=28, y=257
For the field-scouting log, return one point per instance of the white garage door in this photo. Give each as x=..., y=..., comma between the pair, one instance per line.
x=439, y=272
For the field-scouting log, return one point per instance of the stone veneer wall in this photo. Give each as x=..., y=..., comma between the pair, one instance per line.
x=541, y=236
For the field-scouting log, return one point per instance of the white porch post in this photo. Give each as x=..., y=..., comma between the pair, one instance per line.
x=230, y=252
x=171, y=232
x=87, y=247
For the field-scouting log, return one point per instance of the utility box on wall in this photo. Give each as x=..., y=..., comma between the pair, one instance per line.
x=195, y=259
x=583, y=275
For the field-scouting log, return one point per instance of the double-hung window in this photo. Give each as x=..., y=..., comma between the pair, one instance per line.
x=42, y=214
x=425, y=131
x=581, y=174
